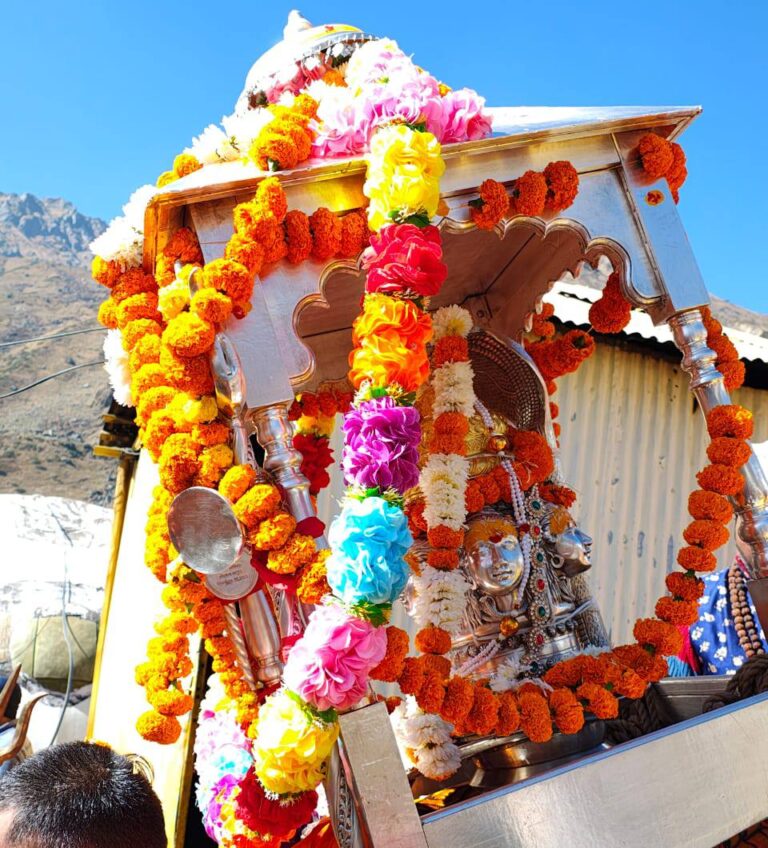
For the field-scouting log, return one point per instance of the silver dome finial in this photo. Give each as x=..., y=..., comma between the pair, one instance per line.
x=296, y=23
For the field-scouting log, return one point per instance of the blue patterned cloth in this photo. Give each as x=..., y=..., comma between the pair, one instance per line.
x=713, y=636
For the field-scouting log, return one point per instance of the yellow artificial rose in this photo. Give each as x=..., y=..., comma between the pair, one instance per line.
x=404, y=170
x=291, y=747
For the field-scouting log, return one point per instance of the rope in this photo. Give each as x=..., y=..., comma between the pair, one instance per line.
x=639, y=717
x=50, y=377
x=54, y=336
x=751, y=679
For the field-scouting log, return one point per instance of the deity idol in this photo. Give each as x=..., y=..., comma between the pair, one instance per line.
x=527, y=603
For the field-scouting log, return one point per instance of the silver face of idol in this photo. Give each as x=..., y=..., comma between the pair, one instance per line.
x=572, y=552
x=496, y=567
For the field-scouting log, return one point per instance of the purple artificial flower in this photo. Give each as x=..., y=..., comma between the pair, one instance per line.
x=381, y=446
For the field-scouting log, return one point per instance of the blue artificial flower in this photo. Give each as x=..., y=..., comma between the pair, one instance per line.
x=369, y=540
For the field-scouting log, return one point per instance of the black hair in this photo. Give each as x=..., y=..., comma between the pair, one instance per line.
x=80, y=795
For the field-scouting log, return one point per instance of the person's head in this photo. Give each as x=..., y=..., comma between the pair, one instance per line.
x=79, y=795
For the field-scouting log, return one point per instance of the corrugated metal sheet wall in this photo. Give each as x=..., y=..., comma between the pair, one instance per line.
x=631, y=445
x=632, y=442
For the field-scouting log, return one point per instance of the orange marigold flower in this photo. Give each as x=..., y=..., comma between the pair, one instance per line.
x=601, y=702
x=725, y=450
x=730, y=420
x=313, y=583
x=443, y=560
x=189, y=335
x=443, y=537
x=147, y=377
x=246, y=252
x=508, y=718
x=733, y=373
x=211, y=305
x=696, y=559
x=458, y=700
x=534, y=461
x=295, y=554
x=165, y=272
x=656, y=155
x=305, y=105
x=105, y=273
x=721, y=479
x=256, y=504
x=391, y=667
x=209, y=609
x=155, y=727
x=229, y=277
x=276, y=249
x=138, y=306
x=431, y=694
x=354, y=234
x=535, y=719
x=159, y=428
x=135, y=330
x=273, y=532
x=271, y=197
x=664, y=638
x=184, y=247
x=529, y=195
x=541, y=325
x=433, y=640
x=450, y=349
x=210, y=434
x=484, y=713
x=709, y=505
x=562, y=185
x=236, y=482
x=706, y=534
x=412, y=676
x=492, y=205
x=171, y=702
x=146, y=350
x=185, y=164
x=447, y=444
x=273, y=151
x=178, y=463
x=326, y=229
x=473, y=499
x=451, y=423
x=678, y=612
x=188, y=374
x=723, y=348
x=152, y=400
x=297, y=236
x=685, y=586
x=435, y=664
x=678, y=172
x=612, y=312
x=568, y=712
x=107, y=315
x=558, y=495
x=177, y=622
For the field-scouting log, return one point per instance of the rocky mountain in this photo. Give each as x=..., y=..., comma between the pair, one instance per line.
x=46, y=433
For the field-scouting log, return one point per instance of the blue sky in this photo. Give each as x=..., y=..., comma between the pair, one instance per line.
x=96, y=98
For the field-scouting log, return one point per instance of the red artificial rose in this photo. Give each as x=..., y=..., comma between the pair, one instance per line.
x=266, y=816
x=405, y=257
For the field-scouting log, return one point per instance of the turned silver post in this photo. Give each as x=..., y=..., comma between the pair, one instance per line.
x=751, y=506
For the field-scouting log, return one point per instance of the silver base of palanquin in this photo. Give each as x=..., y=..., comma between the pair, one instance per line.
x=689, y=786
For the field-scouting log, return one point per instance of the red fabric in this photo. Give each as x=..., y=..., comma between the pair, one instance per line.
x=321, y=837
x=687, y=654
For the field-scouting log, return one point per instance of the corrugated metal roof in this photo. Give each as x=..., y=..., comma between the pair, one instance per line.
x=572, y=301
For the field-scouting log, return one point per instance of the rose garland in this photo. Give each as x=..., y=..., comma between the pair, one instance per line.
x=661, y=158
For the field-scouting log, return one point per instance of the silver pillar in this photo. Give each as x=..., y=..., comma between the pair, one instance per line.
x=751, y=505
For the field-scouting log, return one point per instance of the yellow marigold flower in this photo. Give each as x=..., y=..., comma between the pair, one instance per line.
x=200, y=411
x=257, y=504
x=236, y=482
x=107, y=316
x=296, y=553
x=188, y=335
x=320, y=425
x=173, y=299
x=290, y=748
x=171, y=702
x=273, y=532
x=166, y=178
x=185, y=164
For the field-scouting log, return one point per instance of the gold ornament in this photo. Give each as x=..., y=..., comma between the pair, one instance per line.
x=509, y=626
x=497, y=442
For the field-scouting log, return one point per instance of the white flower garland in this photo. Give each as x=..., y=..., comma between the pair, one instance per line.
x=425, y=741
x=116, y=366
x=439, y=599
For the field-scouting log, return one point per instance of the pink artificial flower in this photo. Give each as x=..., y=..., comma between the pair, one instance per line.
x=330, y=665
x=464, y=118
x=405, y=257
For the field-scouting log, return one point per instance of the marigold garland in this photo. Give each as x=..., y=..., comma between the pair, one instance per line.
x=662, y=158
